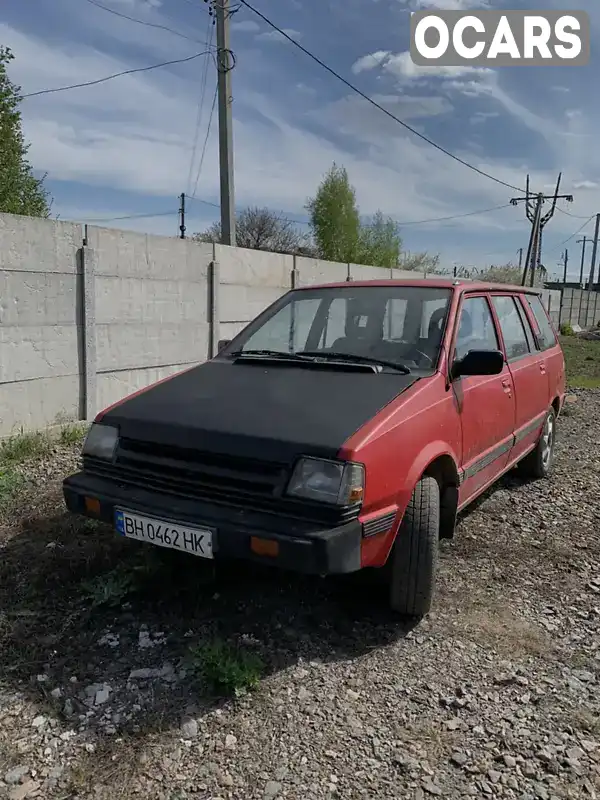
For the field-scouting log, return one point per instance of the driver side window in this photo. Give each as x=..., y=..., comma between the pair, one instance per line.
x=476, y=329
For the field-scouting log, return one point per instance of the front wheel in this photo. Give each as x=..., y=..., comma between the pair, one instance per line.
x=412, y=564
x=538, y=463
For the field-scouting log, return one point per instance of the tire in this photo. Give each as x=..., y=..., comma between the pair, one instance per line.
x=538, y=464
x=412, y=564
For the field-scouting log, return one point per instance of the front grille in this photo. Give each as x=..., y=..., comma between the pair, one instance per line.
x=196, y=475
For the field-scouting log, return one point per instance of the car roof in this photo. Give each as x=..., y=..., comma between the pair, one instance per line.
x=455, y=284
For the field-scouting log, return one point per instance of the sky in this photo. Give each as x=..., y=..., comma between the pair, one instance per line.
x=128, y=147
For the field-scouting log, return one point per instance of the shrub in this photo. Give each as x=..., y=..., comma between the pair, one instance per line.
x=566, y=329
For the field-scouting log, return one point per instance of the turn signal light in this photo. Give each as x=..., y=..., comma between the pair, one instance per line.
x=264, y=547
x=92, y=505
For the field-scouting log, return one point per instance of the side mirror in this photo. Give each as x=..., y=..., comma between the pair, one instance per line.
x=222, y=344
x=478, y=362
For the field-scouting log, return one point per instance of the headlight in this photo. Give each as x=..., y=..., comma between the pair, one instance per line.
x=328, y=481
x=101, y=441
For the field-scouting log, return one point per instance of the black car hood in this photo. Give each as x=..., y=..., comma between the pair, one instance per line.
x=265, y=411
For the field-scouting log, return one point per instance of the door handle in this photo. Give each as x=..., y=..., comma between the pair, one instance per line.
x=507, y=386
x=543, y=369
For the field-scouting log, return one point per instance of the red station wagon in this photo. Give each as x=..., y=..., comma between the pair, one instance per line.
x=342, y=429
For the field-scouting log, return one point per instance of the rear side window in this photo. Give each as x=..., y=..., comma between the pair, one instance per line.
x=546, y=337
x=511, y=325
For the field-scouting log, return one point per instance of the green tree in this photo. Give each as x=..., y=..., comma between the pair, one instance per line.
x=20, y=191
x=379, y=242
x=334, y=219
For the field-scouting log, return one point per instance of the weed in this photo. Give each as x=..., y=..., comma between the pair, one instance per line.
x=225, y=668
x=109, y=589
x=10, y=483
x=25, y=446
x=566, y=329
x=73, y=434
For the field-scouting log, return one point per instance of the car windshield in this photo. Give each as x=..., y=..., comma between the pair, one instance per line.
x=397, y=324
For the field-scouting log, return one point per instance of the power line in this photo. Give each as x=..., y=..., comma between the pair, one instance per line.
x=585, y=224
x=200, y=109
x=206, y=138
x=569, y=214
x=375, y=104
x=145, y=22
x=400, y=224
x=453, y=216
x=116, y=75
x=134, y=216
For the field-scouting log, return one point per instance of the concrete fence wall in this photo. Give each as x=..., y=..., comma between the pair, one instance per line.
x=580, y=307
x=89, y=315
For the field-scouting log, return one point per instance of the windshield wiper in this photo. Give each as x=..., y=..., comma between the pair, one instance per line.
x=270, y=354
x=353, y=358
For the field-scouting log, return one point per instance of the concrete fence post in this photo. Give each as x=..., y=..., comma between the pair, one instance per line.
x=349, y=275
x=213, y=307
x=88, y=364
x=294, y=274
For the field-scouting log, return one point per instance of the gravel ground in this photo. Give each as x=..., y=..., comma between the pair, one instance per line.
x=494, y=694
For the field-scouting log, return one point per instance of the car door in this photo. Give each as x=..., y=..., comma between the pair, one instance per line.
x=527, y=367
x=485, y=404
x=553, y=358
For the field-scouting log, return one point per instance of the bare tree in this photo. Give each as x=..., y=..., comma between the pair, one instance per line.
x=262, y=229
x=420, y=262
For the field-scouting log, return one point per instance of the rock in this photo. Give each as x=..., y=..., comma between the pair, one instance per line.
x=431, y=788
x=102, y=695
x=272, y=789
x=494, y=776
x=189, y=728
x=575, y=753
x=459, y=759
x=510, y=761
x=15, y=775
x=230, y=741
x=39, y=722
x=23, y=791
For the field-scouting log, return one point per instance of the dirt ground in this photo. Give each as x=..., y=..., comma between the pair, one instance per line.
x=125, y=673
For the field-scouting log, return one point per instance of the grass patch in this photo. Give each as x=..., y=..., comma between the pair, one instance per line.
x=582, y=358
x=23, y=447
x=73, y=434
x=10, y=483
x=226, y=669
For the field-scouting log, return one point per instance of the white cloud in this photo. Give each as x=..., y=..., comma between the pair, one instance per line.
x=370, y=61
x=275, y=36
x=586, y=185
x=402, y=67
x=245, y=26
x=479, y=117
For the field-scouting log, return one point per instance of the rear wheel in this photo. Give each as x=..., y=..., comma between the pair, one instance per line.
x=538, y=463
x=412, y=564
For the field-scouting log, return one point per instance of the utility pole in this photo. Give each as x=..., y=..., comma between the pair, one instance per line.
x=225, y=64
x=583, y=242
x=565, y=261
x=533, y=210
x=520, y=252
x=182, y=215
x=594, y=252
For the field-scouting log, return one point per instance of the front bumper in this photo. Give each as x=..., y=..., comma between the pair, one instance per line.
x=303, y=546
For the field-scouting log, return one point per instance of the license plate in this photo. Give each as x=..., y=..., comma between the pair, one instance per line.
x=197, y=541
